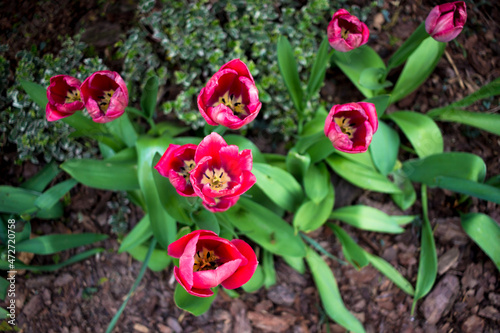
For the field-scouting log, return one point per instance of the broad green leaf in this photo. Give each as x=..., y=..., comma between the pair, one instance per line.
x=256, y=282
x=352, y=251
x=315, y=125
x=330, y=294
x=4, y=284
x=354, y=62
x=297, y=164
x=18, y=200
x=244, y=143
x=421, y=130
x=123, y=129
x=384, y=148
x=310, y=215
x=456, y=164
x=159, y=258
x=404, y=219
x=106, y=151
x=371, y=78
x=104, y=175
x=51, y=268
x=138, y=235
x=163, y=225
x=485, y=232
x=276, y=160
x=317, y=76
x=407, y=197
x=427, y=266
x=391, y=273
x=268, y=267
x=37, y=93
x=50, y=244
x=317, y=182
x=305, y=142
x=469, y=187
x=88, y=128
x=418, y=68
x=169, y=128
x=321, y=149
x=206, y=220
x=363, y=159
x=3, y=314
x=50, y=197
x=125, y=155
x=381, y=103
x=149, y=96
x=288, y=69
x=408, y=47
x=192, y=304
x=360, y=175
x=43, y=178
x=278, y=185
x=366, y=218
x=264, y=227
x=486, y=121
x=296, y=263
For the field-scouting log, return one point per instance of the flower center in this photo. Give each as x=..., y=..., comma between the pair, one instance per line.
x=345, y=126
x=345, y=33
x=217, y=179
x=205, y=260
x=104, y=100
x=232, y=102
x=184, y=170
x=73, y=96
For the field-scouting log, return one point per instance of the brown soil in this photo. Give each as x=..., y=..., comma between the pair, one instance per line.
x=466, y=297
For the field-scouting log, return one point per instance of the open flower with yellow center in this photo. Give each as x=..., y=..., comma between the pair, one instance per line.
x=221, y=173
x=63, y=94
x=105, y=95
x=176, y=164
x=346, y=32
x=230, y=97
x=207, y=260
x=350, y=127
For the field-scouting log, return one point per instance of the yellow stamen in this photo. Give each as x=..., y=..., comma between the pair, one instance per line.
x=184, y=171
x=233, y=102
x=344, y=33
x=345, y=126
x=217, y=179
x=73, y=96
x=104, y=100
x=205, y=260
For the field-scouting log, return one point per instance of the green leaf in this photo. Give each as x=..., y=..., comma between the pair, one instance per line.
x=296, y=263
x=407, y=197
x=457, y=164
x=408, y=47
x=4, y=284
x=391, y=273
x=384, y=148
x=138, y=235
x=381, y=103
x=317, y=182
x=50, y=197
x=18, y=200
x=268, y=267
x=43, y=178
x=192, y=304
x=244, y=143
x=469, y=187
x=3, y=314
x=315, y=125
x=50, y=244
x=169, y=128
x=264, y=227
x=149, y=96
x=310, y=215
x=427, y=266
x=297, y=164
x=404, y=219
x=103, y=174
x=321, y=149
x=288, y=69
x=278, y=185
x=485, y=232
x=256, y=282
x=367, y=218
x=206, y=220
x=352, y=251
x=123, y=129
x=354, y=62
x=88, y=128
x=318, y=70
x=51, y=268
x=257, y=196
x=418, y=68
x=371, y=78
x=363, y=159
x=159, y=258
x=360, y=175
x=489, y=122
x=330, y=294
x=37, y=93
x=163, y=225
x=421, y=130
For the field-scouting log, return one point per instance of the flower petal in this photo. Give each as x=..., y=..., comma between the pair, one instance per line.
x=244, y=272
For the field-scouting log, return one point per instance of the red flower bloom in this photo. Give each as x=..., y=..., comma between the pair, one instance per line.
x=207, y=260
x=446, y=21
x=105, y=95
x=230, y=97
x=64, y=97
x=221, y=174
x=350, y=127
x=346, y=32
x=176, y=164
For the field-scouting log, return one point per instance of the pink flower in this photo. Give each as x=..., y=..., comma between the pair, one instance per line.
x=207, y=260
x=105, y=95
x=346, y=32
x=230, y=97
x=221, y=174
x=350, y=127
x=63, y=94
x=446, y=21
x=176, y=164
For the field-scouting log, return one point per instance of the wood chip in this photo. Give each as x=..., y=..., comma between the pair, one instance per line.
x=448, y=260
x=439, y=302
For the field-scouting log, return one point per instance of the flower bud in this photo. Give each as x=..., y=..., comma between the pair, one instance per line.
x=346, y=32
x=446, y=21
